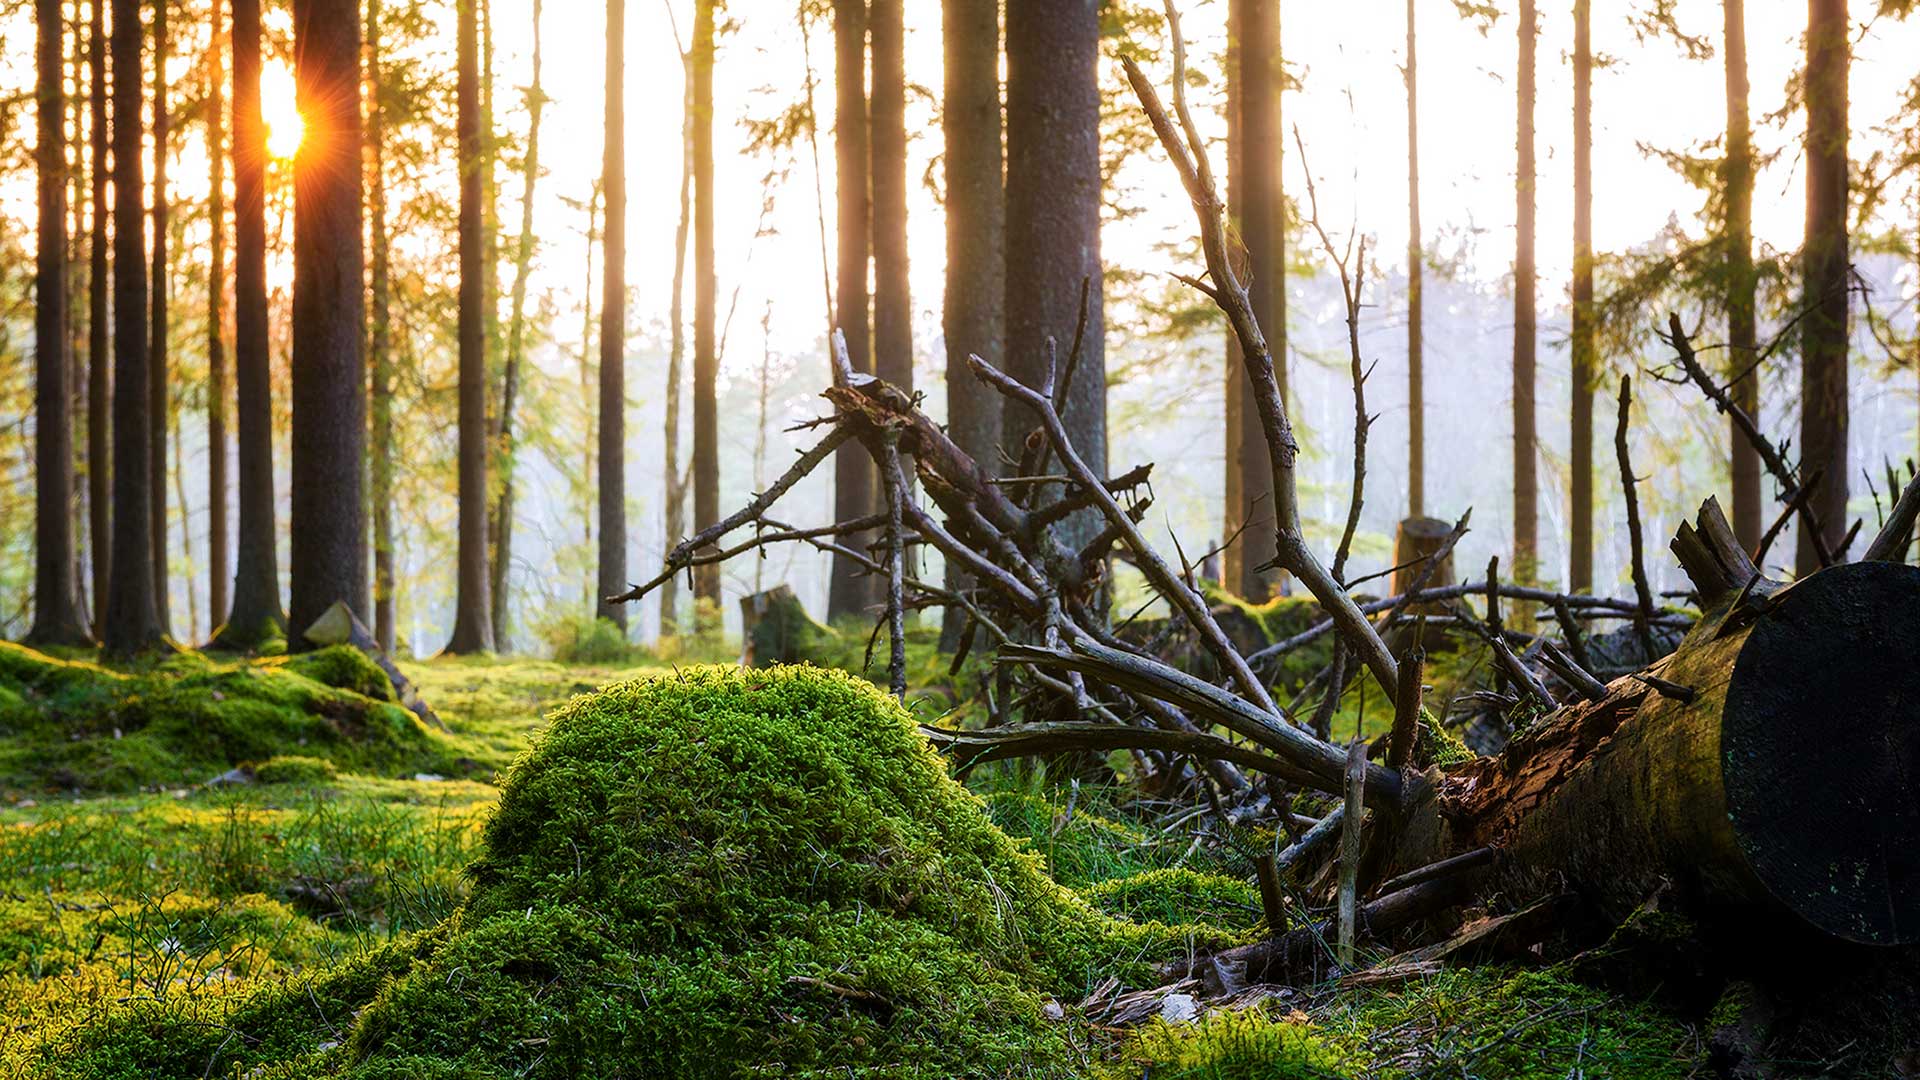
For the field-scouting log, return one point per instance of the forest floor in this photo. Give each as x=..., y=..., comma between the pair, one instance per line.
x=131, y=873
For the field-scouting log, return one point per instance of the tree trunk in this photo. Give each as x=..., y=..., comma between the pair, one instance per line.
x=380, y=344
x=892, y=299
x=57, y=615
x=516, y=345
x=849, y=590
x=1416, y=273
x=1742, y=346
x=1824, y=298
x=1255, y=198
x=99, y=330
x=472, y=618
x=256, y=616
x=1053, y=218
x=613, y=328
x=132, y=621
x=217, y=556
x=158, y=409
x=1580, y=529
x=675, y=516
x=706, y=357
x=976, y=209
x=329, y=524
x=588, y=375
x=1526, y=493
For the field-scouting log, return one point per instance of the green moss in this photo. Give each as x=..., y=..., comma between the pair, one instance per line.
x=717, y=873
x=187, y=717
x=343, y=667
x=1179, y=895
x=294, y=769
x=1230, y=1045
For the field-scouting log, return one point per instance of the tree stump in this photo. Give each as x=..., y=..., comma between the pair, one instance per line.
x=776, y=629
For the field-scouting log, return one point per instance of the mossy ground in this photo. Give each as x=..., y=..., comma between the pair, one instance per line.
x=323, y=912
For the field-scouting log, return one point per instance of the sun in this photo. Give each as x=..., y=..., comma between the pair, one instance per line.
x=280, y=111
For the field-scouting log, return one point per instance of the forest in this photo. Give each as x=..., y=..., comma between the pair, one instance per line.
x=1199, y=539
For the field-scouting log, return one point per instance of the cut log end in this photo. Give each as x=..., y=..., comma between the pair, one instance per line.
x=1827, y=808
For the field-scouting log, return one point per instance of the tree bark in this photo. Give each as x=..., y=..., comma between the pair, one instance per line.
x=613, y=328
x=1416, y=273
x=675, y=516
x=849, y=591
x=158, y=408
x=1256, y=199
x=971, y=310
x=57, y=615
x=256, y=616
x=706, y=357
x=1718, y=790
x=1053, y=218
x=892, y=299
x=472, y=618
x=1742, y=346
x=1526, y=491
x=99, y=330
x=132, y=622
x=1585, y=360
x=516, y=347
x=328, y=525
x=380, y=343
x=217, y=554
x=1824, y=296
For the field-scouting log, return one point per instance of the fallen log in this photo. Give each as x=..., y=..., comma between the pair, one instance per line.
x=1770, y=765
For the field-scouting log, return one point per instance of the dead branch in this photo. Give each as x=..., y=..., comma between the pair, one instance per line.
x=1785, y=475
x=1641, y=590
x=1189, y=156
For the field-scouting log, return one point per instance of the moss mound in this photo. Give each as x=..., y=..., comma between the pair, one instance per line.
x=75, y=724
x=728, y=873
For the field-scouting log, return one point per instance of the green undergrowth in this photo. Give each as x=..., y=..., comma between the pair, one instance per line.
x=1479, y=1023
x=714, y=873
x=75, y=724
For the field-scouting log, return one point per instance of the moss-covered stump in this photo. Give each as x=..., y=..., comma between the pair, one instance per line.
x=77, y=725
x=718, y=873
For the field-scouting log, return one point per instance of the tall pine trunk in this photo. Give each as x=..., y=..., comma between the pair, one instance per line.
x=380, y=343
x=472, y=618
x=1053, y=217
x=976, y=209
x=892, y=299
x=588, y=375
x=1526, y=484
x=706, y=359
x=1742, y=344
x=516, y=345
x=613, y=328
x=1416, y=273
x=849, y=590
x=57, y=616
x=1255, y=199
x=217, y=556
x=99, y=330
x=158, y=407
x=675, y=517
x=256, y=616
x=132, y=622
x=1580, y=540
x=1823, y=333
x=329, y=523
